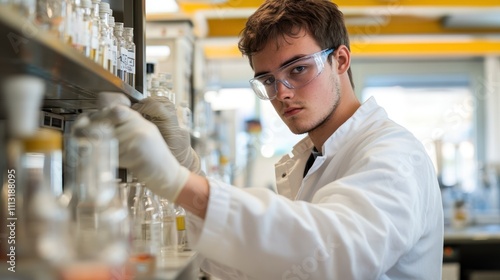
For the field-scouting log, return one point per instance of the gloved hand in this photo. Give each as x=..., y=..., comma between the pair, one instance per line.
x=144, y=152
x=160, y=111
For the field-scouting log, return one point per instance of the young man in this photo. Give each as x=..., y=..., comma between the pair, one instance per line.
x=358, y=199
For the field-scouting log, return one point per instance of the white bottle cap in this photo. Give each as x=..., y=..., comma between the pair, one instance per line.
x=23, y=96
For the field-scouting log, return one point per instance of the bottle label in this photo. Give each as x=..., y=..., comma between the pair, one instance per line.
x=123, y=59
x=181, y=224
x=113, y=55
x=131, y=62
x=95, y=37
x=84, y=38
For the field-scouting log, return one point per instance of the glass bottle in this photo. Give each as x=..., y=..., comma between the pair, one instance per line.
x=121, y=51
x=106, y=39
x=76, y=19
x=25, y=8
x=170, y=90
x=165, y=79
x=169, y=240
x=181, y=228
x=101, y=242
x=146, y=236
x=113, y=46
x=47, y=222
x=128, y=35
x=51, y=16
x=96, y=31
x=85, y=30
x=185, y=116
x=156, y=90
x=69, y=22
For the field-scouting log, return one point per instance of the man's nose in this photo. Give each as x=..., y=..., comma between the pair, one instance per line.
x=283, y=90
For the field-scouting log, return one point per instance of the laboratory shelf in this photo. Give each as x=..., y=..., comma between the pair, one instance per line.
x=73, y=80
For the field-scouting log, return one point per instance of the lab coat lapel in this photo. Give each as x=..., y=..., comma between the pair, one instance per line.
x=289, y=169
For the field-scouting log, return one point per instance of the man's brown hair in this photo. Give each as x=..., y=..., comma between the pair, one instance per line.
x=279, y=18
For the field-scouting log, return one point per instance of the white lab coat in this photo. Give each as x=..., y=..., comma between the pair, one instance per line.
x=369, y=208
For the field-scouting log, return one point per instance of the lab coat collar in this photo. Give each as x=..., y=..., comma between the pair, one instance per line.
x=289, y=169
x=368, y=112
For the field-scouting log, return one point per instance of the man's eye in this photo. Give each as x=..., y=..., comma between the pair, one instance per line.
x=298, y=69
x=268, y=81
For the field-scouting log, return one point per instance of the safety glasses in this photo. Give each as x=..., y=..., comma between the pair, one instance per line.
x=293, y=75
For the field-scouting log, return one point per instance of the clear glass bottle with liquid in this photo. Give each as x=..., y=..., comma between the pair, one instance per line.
x=165, y=80
x=106, y=40
x=51, y=16
x=47, y=222
x=185, y=116
x=121, y=51
x=100, y=223
x=69, y=21
x=25, y=8
x=113, y=51
x=86, y=27
x=146, y=236
x=156, y=90
x=128, y=35
x=169, y=239
x=76, y=24
x=96, y=31
x=171, y=92
x=181, y=229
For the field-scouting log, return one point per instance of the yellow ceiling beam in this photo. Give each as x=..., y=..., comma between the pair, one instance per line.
x=402, y=25
x=440, y=49
x=191, y=7
x=391, y=49
x=394, y=25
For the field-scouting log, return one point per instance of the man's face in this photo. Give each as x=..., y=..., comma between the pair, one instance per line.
x=306, y=108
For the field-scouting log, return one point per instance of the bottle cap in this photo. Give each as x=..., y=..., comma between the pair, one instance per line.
x=43, y=140
x=119, y=26
x=86, y=4
x=23, y=94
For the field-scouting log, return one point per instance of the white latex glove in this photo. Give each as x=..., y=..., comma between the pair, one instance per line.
x=144, y=152
x=160, y=111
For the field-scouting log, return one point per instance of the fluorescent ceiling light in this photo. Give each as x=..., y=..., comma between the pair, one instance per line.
x=474, y=20
x=203, y=1
x=158, y=51
x=161, y=6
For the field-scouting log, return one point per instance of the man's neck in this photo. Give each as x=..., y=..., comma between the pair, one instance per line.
x=347, y=107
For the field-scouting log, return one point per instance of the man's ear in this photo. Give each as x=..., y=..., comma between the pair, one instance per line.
x=343, y=57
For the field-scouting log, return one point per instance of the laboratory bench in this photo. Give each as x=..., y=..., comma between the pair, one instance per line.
x=473, y=252
x=183, y=266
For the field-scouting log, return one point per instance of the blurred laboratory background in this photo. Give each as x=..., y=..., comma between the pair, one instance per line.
x=433, y=65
